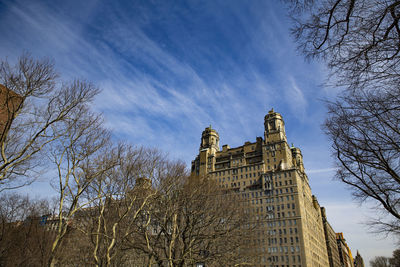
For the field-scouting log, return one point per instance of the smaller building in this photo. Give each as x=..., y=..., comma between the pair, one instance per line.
x=346, y=259
x=10, y=104
x=331, y=243
x=358, y=260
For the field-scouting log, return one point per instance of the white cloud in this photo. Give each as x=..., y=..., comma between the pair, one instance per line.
x=324, y=170
x=295, y=99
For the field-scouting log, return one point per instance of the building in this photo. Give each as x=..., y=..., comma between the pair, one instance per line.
x=358, y=260
x=331, y=243
x=346, y=259
x=10, y=104
x=269, y=175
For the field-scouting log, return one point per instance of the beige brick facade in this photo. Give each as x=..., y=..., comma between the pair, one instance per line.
x=270, y=179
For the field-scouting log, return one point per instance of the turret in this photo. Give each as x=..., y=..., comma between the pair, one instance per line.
x=274, y=127
x=209, y=146
x=297, y=158
x=210, y=139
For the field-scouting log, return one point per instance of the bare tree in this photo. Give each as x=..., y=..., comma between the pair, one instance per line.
x=120, y=194
x=364, y=129
x=80, y=156
x=24, y=236
x=380, y=261
x=395, y=260
x=359, y=39
x=191, y=221
x=33, y=101
x=360, y=42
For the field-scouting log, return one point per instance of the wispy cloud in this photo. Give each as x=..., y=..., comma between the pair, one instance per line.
x=330, y=170
x=295, y=99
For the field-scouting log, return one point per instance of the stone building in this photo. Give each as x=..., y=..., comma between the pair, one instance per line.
x=346, y=259
x=10, y=104
x=269, y=176
x=331, y=243
x=358, y=260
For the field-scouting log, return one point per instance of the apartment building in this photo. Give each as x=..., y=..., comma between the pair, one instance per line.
x=269, y=177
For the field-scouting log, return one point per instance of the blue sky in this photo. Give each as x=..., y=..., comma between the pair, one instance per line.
x=168, y=69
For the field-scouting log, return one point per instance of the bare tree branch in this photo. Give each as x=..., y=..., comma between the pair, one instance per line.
x=33, y=102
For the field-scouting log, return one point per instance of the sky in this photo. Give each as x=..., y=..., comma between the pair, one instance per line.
x=168, y=69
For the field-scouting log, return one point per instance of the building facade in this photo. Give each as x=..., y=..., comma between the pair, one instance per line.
x=346, y=258
x=10, y=104
x=269, y=176
x=358, y=260
x=331, y=243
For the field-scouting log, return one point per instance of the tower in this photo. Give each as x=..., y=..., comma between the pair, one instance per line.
x=297, y=158
x=210, y=140
x=274, y=127
x=209, y=146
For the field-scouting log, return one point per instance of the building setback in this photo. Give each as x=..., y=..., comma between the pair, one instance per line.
x=269, y=175
x=331, y=243
x=346, y=259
